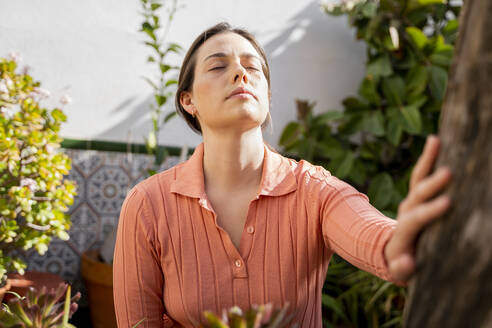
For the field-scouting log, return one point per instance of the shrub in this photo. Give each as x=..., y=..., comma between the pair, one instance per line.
x=375, y=141
x=33, y=192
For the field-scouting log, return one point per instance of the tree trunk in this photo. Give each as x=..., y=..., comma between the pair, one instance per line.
x=453, y=284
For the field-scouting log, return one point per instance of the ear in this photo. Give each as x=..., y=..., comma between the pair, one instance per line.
x=187, y=102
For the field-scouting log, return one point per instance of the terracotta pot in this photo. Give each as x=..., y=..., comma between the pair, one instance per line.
x=98, y=277
x=20, y=283
x=4, y=289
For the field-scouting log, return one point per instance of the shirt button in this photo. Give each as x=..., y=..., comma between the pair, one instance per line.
x=250, y=229
x=238, y=263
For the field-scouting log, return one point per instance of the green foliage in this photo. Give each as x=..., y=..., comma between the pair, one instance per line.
x=40, y=309
x=262, y=316
x=355, y=298
x=377, y=137
x=34, y=196
x=151, y=27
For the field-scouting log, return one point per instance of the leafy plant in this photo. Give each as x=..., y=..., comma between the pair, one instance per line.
x=151, y=27
x=262, y=316
x=34, y=195
x=40, y=309
x=377, y=138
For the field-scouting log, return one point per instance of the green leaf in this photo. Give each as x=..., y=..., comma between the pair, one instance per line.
x=307, y=148
x=353, y=105
x=329, y=148
x=150, y=59
x=374, y=123
x=441, y=59
x=438, y=81
x=344, y=166
x=330, y=116
x=417, y=36
x=381, y=190
x=290, y=134
x=417, y=101
x=394, y=90
x=148, y=29
x=352, y=123
x=169, y=116
x=369, y=9
x=160, y=100
x=412, y=118
x=332, y=304
x=416, y=80
x=164, y=68
x=170, y=82
x=450, y=31
x=380, y=66
x=66, y=307
x=393, y=131
x=369, y=91
x=431, y=2
x=418, y=16
x=358, y=172
x=58, y=115
x=155, y=6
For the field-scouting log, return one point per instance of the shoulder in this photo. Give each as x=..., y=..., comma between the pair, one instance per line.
x=153, y=186
x=148, y=194
x=317, y=178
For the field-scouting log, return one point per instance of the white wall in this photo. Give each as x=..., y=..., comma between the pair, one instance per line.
x=92, y=51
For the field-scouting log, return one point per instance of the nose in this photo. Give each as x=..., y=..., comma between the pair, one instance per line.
x=239, y=73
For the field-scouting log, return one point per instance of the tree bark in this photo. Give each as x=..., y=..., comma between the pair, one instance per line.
x=453, y=283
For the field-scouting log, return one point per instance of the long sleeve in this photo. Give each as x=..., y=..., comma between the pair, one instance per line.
x=355, y=229
x=137, y=277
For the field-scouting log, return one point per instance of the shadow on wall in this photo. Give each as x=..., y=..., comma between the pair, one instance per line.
x=313, y=57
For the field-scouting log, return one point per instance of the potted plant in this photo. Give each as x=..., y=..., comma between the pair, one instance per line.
x=34, y=195
x=40, y=309
x=258, y=316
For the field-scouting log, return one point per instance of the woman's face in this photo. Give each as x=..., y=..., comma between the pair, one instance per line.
x=225, y=62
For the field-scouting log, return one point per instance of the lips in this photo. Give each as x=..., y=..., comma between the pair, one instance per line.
x=240, y=90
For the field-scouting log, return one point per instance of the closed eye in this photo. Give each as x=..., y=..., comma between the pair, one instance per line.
x=221, y=67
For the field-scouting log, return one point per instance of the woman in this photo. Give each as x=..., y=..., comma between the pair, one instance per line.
x=239, y=224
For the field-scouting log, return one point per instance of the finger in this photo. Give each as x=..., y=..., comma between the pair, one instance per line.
x=426, y=160
x=414, y=220
x=428, y=187
x=402, y=268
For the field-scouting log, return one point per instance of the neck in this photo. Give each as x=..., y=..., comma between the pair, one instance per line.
x=233, y=163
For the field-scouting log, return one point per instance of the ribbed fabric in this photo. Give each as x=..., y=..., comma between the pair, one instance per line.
x=172, y=261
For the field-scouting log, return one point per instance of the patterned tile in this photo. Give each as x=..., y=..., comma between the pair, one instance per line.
x=107, y=189
x=87, y=161
x=59, y=259
x=103, y=179
x=84, y=232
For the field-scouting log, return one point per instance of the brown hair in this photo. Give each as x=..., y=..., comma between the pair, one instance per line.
x=187, y=72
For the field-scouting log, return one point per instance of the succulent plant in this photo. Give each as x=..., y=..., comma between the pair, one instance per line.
x=258, y=316
x=40, y=309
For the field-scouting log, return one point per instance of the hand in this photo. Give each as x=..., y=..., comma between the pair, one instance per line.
x=414, y=213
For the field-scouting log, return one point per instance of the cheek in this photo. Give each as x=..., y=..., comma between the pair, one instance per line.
x=202, y=90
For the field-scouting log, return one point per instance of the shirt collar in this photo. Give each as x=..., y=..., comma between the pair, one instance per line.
x=277, y=178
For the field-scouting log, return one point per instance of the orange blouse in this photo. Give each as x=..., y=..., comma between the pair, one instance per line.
x=172, y=261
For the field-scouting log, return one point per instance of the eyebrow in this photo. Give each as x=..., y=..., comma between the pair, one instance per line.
x=222, y=55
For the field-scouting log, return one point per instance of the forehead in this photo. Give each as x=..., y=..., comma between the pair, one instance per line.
x=228, y=43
